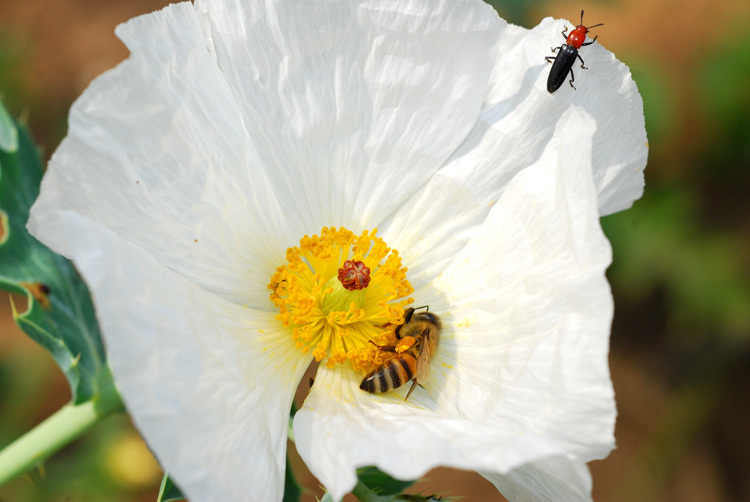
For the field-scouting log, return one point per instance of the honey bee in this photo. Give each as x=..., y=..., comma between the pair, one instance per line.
x=414, y=363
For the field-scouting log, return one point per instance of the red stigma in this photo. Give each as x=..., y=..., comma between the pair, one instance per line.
x=354, y=275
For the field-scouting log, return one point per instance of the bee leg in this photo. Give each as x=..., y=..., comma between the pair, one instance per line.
x=384, y=348
x=411, y=389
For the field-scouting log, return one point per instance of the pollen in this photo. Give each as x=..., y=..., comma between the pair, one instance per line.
x=405, y=344
x=341, y=296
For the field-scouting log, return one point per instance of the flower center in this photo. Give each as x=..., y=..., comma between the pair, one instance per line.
x=342, y=295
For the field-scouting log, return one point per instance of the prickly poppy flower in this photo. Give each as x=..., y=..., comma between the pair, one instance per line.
x=264, y=184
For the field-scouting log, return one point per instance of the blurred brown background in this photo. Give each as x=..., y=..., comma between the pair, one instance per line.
x=681, y=275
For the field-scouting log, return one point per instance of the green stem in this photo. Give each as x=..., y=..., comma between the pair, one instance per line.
x=67, y=424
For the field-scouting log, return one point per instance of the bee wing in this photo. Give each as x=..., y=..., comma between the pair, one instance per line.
x=423, y=361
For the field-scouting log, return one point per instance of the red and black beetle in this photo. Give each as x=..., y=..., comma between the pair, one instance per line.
x=563, y=61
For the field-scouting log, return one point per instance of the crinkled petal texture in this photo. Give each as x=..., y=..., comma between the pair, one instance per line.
x=352, y=104
x=518, y=118
x=556, y=479
x=521, y=374
x=237, y=127
x=193, y=369
x=605, y=90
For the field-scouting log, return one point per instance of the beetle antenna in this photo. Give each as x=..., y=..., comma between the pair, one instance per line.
x=589, y=27
x=581, y=17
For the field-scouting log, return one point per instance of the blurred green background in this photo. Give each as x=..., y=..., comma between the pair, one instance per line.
x=681, y=274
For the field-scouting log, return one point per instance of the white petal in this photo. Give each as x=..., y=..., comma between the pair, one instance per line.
x=554, y=479
x=434, y=225
x=519, y=120
x=208, y=383
x=528, y=309
x=354, y=103
x=521, y=373
x=606, y=91
x=156, y=151
x=340, y=428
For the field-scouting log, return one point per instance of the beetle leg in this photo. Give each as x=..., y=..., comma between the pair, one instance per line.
x=582, y=63
x=550, y=59
x=589, y=43
x=572, y=79
x=564, y=33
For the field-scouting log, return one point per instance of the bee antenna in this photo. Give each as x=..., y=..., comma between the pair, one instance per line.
x=426, y=307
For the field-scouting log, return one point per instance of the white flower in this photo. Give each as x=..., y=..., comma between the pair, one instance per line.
x=236, y=128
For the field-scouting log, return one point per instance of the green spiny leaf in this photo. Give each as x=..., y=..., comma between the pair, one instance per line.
x=8, y=132
x=376, y=486
x=371, y=494
x=168, y=492
x=60, y=315
x=380, y=482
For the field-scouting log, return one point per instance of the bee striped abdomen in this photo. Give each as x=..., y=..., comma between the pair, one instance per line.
x=391, y=375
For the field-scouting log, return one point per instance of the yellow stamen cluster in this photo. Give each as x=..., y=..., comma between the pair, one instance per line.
x=327, y=318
